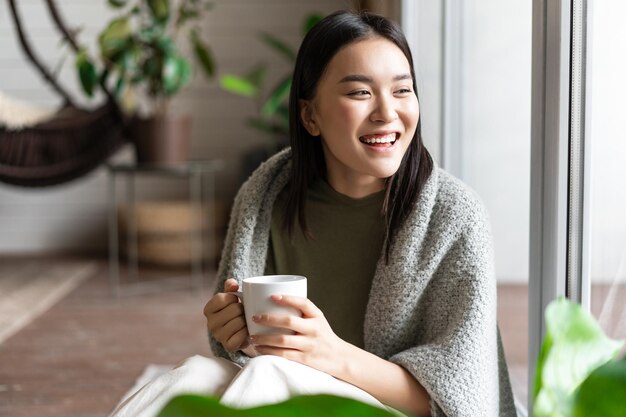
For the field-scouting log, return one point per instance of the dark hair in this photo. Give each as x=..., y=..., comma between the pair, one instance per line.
x=319, y=46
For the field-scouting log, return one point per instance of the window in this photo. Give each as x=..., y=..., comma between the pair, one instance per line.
x=606, y=92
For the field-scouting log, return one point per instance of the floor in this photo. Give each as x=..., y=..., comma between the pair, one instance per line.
x=79, y=358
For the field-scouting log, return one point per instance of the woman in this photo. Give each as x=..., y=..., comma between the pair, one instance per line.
x=397, y=252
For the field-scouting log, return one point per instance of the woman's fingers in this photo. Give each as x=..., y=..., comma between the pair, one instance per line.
x=291, y=354
x=233, y=334
x=301, y=303
x=283, y=321
x=218, y=320
x=219, y=302
x=231, y=285
x=282, y=341
x=239, y=339
x=225, y=317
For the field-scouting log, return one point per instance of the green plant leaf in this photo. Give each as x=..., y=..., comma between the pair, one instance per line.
x=279, y=46
x=160, y=10
x=117, y=3
x=149, y=34
x=302, y=406
x=115, y=37
x=603, y=393
x=176, y=74
x=119, y=87
x=277, y=97
x=203, y=55
x=283, y=113
x=574, y=346
x=256, y=76
x=186, y=13
x=152, y=67
x=166, y=45
x=86, y=73
x=310, y=21
x=238, y=85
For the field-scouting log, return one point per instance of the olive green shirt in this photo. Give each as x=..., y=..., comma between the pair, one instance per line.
x=339, y=262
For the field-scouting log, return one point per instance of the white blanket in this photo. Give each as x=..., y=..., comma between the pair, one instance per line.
x=264, y=380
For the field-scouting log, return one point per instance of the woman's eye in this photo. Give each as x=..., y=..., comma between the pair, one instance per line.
x=404, y=91
x=359, y=93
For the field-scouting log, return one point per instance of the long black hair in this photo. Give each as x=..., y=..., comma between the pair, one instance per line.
x=319, y=46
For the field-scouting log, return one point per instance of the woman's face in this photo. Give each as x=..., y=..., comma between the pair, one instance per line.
x=365, y=112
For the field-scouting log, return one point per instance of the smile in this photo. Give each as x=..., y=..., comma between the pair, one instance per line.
x=385, y=140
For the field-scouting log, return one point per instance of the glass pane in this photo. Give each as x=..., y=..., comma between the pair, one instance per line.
x=495, y=153
x=606, y=90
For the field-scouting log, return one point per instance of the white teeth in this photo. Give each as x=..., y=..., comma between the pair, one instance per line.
x=384, y=139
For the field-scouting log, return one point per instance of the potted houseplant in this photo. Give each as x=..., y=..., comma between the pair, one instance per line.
x=140, y=57
x=272, y=118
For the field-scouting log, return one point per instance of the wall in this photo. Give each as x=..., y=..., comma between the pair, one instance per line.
x=73, y=216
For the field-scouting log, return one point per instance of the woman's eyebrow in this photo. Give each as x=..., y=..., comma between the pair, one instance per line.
x=367, y=79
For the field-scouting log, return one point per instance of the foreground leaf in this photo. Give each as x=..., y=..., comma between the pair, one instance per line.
x=303, y=406
x=574, y=345
x=603, y=393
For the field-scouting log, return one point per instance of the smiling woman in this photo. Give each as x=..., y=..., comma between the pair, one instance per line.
x=365, y=115
x=401, y=302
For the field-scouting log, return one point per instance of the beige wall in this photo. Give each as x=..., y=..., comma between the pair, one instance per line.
x=73, y=216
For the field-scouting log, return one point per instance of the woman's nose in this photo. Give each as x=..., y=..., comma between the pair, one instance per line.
x=384, y=111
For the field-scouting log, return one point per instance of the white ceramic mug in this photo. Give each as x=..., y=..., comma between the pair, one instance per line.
x=255, y=295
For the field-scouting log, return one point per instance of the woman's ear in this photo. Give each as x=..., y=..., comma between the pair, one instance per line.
x=307, y=115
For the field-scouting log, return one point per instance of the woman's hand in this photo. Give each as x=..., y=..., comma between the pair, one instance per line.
x=314, y=343
x=225, y=318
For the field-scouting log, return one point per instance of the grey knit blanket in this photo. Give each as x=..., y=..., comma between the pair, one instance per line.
x=432, y=308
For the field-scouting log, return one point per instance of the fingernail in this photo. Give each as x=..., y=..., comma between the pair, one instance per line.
x=252, y=339
x=277, y=297
x=256, y=317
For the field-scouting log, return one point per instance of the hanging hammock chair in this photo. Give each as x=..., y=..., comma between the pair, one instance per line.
x=70, y=144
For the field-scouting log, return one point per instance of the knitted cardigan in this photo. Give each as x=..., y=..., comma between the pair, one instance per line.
x=432, y=307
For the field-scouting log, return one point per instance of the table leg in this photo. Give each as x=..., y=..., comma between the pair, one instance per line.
x=196, y=235
x=114, y=266
x=131, y=235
